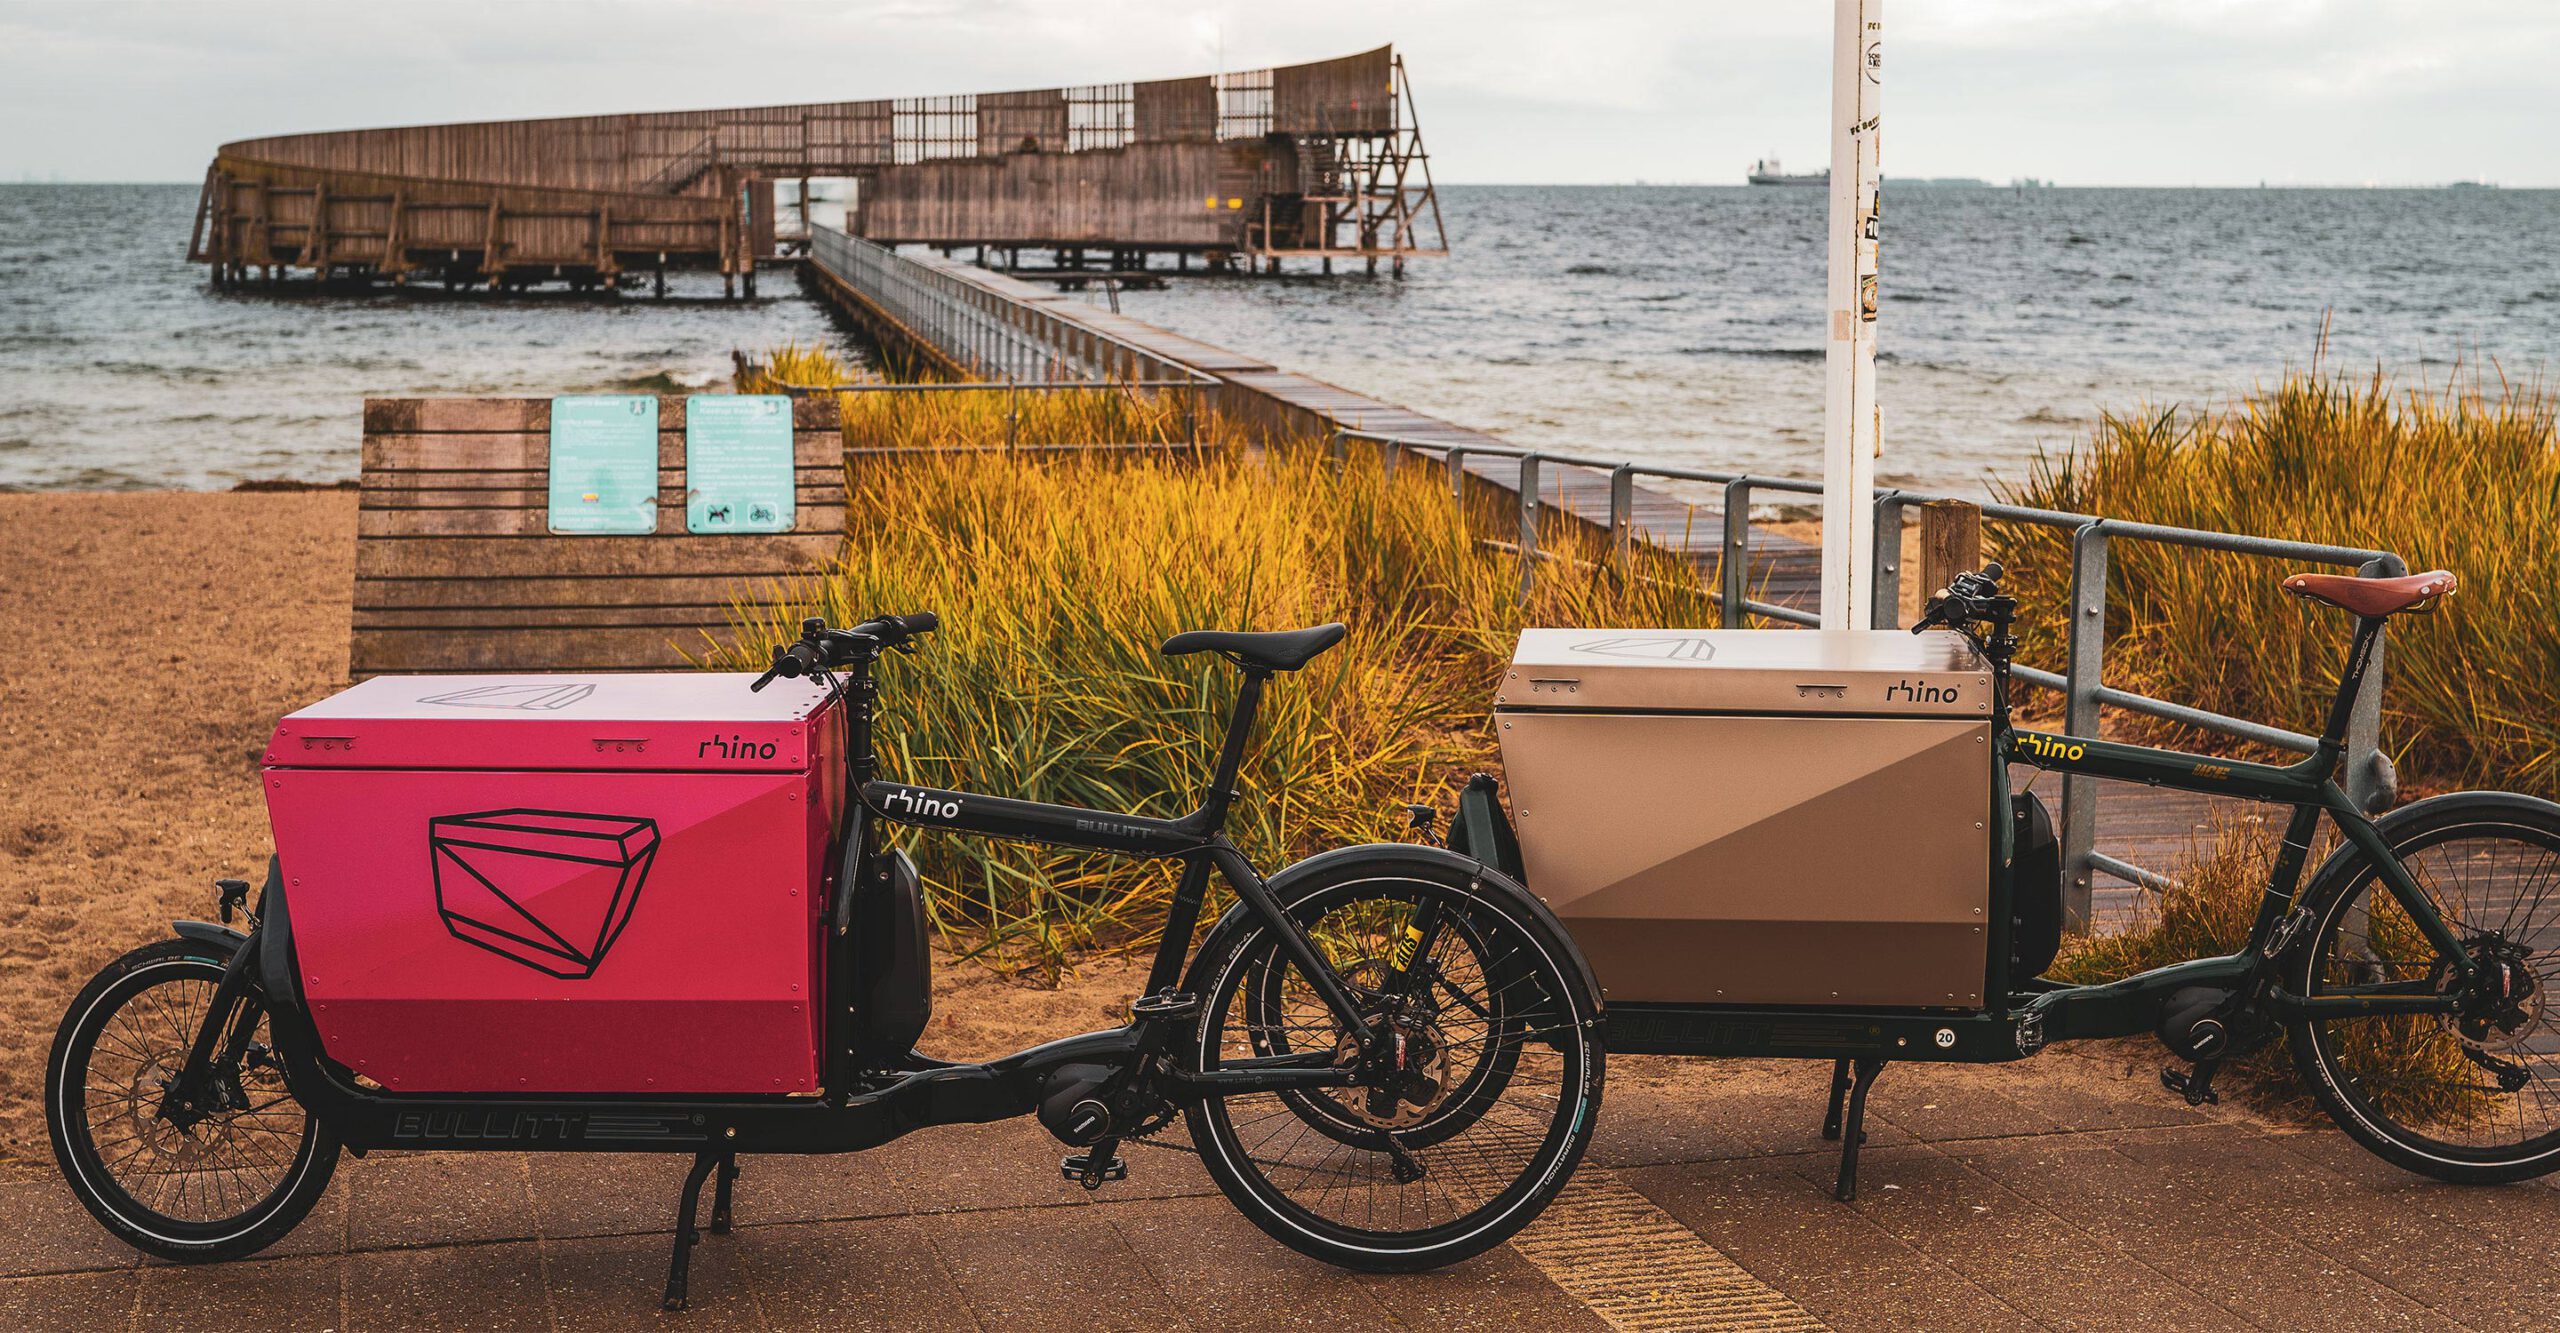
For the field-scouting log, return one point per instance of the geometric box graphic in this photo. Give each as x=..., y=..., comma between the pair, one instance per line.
x=550, y=889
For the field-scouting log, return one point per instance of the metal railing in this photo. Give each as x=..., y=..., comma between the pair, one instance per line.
x=989, y=333
x=2081, y=683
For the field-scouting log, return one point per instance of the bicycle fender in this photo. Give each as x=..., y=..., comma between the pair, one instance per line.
x=208, y=932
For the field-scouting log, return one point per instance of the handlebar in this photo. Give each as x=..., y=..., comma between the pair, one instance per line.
x=821, y=648
x=1968, y=597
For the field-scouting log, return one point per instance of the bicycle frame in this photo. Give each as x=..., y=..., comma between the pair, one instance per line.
x=2029, y=1015
x=855, y=1108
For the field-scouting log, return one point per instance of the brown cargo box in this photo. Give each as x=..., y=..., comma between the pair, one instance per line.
x=1757, y=816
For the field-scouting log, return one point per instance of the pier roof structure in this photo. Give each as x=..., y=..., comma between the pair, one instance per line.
x=1321, y=159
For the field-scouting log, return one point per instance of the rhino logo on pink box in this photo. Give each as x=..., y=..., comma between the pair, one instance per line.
x=551, y=889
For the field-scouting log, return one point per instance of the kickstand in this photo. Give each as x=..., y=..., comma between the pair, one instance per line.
x=1853, y=1127
x=678, y=1267
x=1839, y=1094
x=720, y=1194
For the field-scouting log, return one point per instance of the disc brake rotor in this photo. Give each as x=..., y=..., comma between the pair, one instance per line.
x=1419, y=1070
x=2507, y=1018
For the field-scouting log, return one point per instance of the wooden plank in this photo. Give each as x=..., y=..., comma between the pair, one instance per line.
x=496, y=594
x=619, y=648
x=433, y=416
x=504, y=557
x=473, y=620
x=535, y=521
x=523, y=451
x=386, y=493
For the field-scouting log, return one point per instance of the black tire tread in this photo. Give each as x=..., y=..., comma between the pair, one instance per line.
x=283, y=1213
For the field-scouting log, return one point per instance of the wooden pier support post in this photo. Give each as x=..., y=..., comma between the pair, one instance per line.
x=1950, y=543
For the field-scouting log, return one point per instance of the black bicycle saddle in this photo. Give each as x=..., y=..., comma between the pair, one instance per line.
x=1276, y=650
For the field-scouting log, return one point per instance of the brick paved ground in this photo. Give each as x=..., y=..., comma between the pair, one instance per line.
x=2066, y=1192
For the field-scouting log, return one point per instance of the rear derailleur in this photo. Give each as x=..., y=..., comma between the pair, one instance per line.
x=2502, y=1007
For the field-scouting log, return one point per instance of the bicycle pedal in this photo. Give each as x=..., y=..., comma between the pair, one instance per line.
x=1082, y=1169
x=1168, y=1004
x=2197, y=1090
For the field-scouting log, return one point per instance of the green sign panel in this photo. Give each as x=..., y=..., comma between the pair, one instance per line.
x=604, y=463
x=737, y=463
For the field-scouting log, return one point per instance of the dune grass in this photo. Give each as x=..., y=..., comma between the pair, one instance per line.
x=2410, y=1064
x=2465, y=478
x=1056, y=578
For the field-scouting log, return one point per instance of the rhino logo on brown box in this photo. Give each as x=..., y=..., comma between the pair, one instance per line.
x=551, y=889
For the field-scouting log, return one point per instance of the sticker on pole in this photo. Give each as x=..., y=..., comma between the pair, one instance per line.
x=604, y=464
x=737, y=463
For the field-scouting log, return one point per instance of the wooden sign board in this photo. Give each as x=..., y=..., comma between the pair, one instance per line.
x=458, y=567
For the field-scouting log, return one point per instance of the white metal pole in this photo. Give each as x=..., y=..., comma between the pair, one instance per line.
x=1851, y=434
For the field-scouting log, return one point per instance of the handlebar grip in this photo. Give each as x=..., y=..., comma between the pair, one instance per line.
x=794, y=662
x=918, y=622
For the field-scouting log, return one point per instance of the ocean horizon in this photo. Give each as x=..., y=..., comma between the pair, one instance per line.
x=1668, y=323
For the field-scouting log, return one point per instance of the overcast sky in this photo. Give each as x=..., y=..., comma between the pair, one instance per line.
x=2084, y=92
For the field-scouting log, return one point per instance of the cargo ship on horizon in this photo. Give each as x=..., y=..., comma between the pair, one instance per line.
x=1766, y=171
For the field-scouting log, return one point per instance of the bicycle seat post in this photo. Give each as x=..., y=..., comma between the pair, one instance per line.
x=1222, y=786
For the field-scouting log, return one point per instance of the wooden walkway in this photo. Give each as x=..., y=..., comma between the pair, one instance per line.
x=1784, y=570
x=2157, y=830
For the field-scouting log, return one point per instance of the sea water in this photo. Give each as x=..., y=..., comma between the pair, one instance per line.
x=1679, y=325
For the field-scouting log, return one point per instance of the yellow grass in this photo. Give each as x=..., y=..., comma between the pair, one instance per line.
x=2465, y=478
x=2410, y=1065
x=1056, y=579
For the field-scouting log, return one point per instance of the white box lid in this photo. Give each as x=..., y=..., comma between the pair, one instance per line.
x=1880, y=673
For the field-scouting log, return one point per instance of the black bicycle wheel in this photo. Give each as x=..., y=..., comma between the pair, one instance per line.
x=221, y=1187
x=1449, y=983
x=2472, y=1096
x=1422, y=1182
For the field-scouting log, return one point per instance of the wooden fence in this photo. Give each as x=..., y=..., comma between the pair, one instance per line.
x=456, y=569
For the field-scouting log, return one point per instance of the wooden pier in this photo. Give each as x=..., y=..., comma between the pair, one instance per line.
x=1282, y=404
x=1245, y=169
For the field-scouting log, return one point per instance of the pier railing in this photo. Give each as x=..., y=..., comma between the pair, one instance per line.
x=2081, y=684
x=983, y=331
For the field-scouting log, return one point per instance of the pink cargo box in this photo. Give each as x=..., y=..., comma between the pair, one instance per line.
x=536, y=884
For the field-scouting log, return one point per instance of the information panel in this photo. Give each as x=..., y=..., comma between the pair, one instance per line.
x=604, y=464
x=737, y=463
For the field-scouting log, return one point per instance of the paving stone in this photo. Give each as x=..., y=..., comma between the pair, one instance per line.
x=2027, y=1256
x=251, y=1294
x=1049, y=1269
x=882, y=1274
x=1776, y=1222
x=2096, y=1086
x=1931, y=1102
x=1221, y=1271
x=1660, y=1109
x=483, y=1288
x=1010, y=1164
x=2161, y=1210
x=49, y=1232
x=617, y=1282
x=1498, y=1291
x=825, y=1188
x=69, y=1303
x=2418, y=1236
x=608, y=1194
x=441, y=1199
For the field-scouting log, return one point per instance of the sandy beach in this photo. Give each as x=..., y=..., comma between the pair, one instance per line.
x=154, y=640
